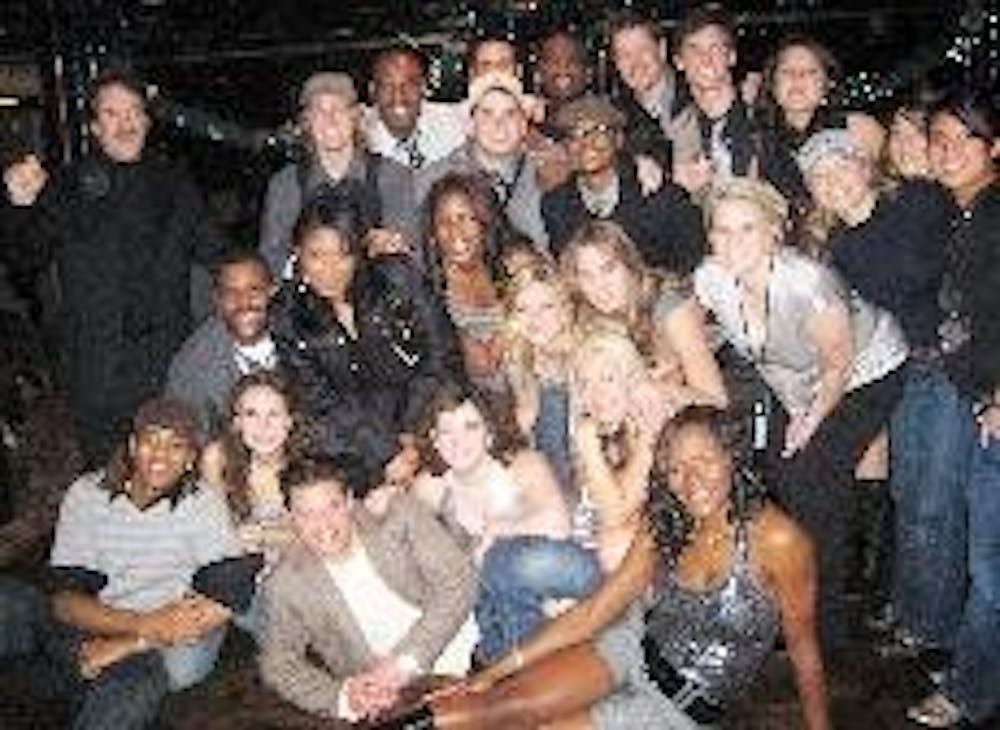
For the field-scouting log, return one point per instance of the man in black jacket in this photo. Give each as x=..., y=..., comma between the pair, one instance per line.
x=665, y=225
x=123, y=230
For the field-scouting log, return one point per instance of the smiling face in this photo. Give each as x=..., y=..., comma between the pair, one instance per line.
x=541, y=313
x=603, y=382
x=331, y=122
x=639, y=58
x=398, y=89
x=160, y=457
x=699, y=471
x=326, y=263
x=741, y=237
x=263, y=421
x=460, y=437
x=562, y=68
x=840, y=183
x=242, y=292
x=908, y=143
x=321, y=516
x=799, y=80
x=707, y=57
x=959, y=161
x=120, y=122
x=458, y=232
x=603, y=279
x=498, y=123
x=594, y=146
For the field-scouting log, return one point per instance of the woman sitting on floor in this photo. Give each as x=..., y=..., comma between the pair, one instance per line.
x=719, y=576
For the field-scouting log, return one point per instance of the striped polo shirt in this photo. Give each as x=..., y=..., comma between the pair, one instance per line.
x=148, y=555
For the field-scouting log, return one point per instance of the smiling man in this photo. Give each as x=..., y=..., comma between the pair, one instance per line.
x=665, y=226
x=123, y=229
x=233, y=342
x=381, y=602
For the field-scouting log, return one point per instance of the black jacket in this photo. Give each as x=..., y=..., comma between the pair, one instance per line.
x=666, y=226
x=974, y=269
x=123, y=238
x=364, y=392
x=895, y=259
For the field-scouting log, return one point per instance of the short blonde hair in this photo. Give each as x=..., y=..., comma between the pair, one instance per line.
x=762, y=195
x=600, y=342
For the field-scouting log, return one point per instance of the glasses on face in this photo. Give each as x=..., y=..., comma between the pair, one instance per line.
x=592, y=131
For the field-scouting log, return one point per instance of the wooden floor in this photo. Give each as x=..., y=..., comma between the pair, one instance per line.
x=867, y=692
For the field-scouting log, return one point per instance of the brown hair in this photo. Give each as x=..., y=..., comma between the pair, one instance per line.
x=498, y=415
x=236, y=456
x=612, y=239
x=519, y=354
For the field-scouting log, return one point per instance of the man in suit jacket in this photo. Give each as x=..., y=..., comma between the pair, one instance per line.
x=231, y=343
x=379, y=602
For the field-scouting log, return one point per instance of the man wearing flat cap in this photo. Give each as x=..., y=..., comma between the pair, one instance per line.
x=665, y=225
x=335, y=158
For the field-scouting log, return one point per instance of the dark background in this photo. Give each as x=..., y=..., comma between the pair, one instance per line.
x=226, y=71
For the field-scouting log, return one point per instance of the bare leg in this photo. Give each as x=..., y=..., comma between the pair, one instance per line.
x=558, y=690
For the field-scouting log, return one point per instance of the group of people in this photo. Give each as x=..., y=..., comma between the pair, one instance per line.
x=585, y=400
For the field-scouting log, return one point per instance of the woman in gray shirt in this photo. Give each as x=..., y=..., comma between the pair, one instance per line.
x=832, y=360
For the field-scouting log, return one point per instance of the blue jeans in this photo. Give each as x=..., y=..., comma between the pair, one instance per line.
x=126, y=695
x=518, y=575
x=973, y=681
x=551, y=434
x=933, y=434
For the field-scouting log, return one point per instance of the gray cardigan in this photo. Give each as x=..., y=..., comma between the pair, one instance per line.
x=203, y=372
x=413, y=554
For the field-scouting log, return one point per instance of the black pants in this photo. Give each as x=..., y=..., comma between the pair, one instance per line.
x=816, y=487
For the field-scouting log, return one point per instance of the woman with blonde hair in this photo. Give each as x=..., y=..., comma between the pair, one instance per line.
x=833, y=361
x=611, y=287
x=539, y=348
x=616, y=418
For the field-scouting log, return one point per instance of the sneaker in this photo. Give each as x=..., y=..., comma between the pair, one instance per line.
x=936, y=711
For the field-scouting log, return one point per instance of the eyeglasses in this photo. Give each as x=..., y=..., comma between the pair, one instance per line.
x=592, y=130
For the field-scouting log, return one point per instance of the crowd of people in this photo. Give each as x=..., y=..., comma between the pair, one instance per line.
x=584, y=402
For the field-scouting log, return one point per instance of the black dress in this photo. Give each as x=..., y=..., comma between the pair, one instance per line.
x=366, y=390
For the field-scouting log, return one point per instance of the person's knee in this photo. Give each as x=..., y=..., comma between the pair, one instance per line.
x=127, y=695
x=188, y=665
x=22, y=607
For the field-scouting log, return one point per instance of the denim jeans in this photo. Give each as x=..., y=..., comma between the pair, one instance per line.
x=518, y=576
x=973, y=681
x=126, y=695
x=551, y=432
x=932, y=434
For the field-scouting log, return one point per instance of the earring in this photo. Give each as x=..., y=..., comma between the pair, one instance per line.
x=489, y=441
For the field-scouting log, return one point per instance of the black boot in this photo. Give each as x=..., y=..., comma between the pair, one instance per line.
x=420, y=717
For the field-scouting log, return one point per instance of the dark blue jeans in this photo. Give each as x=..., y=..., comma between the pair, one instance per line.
x=973, y=681
x=126, y=696
x=518, y=576
x=933, y=437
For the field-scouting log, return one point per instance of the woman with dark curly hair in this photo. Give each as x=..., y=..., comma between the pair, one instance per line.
x=503, y=502
x=464, y=241
x=720, y=578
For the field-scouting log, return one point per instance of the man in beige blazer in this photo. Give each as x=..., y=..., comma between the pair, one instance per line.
x=379, y=602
